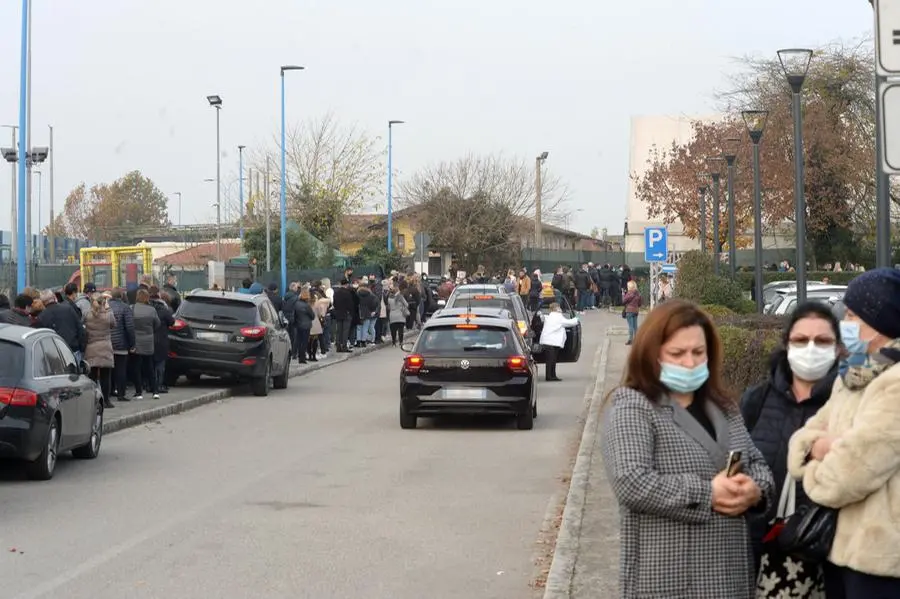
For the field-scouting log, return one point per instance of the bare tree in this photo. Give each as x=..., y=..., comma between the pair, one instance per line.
x=508, y=182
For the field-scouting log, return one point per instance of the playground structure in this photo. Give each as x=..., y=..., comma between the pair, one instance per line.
x=113, y=267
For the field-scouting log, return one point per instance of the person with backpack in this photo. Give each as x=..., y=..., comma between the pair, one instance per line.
x=803, y=370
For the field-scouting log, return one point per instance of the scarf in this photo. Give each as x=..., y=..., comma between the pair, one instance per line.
x=858, y=370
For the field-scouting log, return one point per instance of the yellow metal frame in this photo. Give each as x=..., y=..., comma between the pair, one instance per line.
x=88, y=255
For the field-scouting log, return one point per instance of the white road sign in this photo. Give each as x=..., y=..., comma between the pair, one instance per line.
x=889, y=96
x=887, y=37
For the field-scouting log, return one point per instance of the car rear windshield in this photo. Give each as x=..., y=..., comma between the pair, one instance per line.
x=465, y=338
x=216, y=309
x=13, y=363
x=483, y=301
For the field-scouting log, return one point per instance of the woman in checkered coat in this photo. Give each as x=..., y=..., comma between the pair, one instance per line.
x=666, y=440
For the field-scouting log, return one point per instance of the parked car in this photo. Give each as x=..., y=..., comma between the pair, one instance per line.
x=771, y=290
x=224, y=333
x=48, y=405
x=786, y=295
x=571, y=351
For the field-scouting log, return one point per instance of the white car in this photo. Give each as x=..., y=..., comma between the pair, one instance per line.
x=786, y=303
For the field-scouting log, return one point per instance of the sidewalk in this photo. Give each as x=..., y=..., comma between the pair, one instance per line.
x=586, y=558
x=187, y=396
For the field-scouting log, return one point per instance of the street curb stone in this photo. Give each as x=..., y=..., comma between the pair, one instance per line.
x=565, y=554
x=155, y=413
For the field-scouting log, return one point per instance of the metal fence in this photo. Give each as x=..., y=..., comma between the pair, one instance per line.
x=550, y=260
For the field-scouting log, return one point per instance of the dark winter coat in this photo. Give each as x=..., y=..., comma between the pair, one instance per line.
x=161, y=333
x=65, y=319
x=123, y=334
x=342, y=303
x=368, y=304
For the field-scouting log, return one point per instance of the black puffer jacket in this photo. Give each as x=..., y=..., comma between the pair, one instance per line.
x=773, y=415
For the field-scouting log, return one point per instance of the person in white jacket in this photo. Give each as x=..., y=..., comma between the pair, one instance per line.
x=553, y=338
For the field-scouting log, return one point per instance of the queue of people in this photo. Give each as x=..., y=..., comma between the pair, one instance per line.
x=791, y=492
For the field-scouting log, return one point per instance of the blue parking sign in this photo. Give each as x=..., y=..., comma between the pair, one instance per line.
x=656, y=244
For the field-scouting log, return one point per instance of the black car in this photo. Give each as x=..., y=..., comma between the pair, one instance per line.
x=571, y=351
x=48, y=405
x=221, y=333
x=468, y=366
x=493, y=296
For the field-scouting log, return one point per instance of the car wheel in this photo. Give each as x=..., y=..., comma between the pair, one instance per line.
x=262, y=384
x=534, y=410
x=525, y=420
x=42, y=468
x=171, y=378
x=407, y=420
x=193, y=377
x=281, y=381
x=92, y=449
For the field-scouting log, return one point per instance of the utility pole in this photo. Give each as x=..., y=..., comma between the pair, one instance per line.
x=29, y=239
x=538, y=190
x=52, y=237
x=268, y=222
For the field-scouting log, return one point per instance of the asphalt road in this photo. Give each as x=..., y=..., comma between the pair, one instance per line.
x=312, y=492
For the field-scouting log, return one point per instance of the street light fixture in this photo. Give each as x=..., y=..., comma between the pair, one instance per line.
x=390, y=186
x=538, y=192
x=216, y=102
x=283, y=70
x=795, y=63
x=715, y=172
x=756, y=125
x=731, y=149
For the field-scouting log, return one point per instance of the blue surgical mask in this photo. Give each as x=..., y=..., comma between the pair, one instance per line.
x=679, y=379
x=850, y=336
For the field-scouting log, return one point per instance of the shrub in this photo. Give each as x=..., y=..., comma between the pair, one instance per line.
x=747, y=342
x=717, y=311
x=697, y=283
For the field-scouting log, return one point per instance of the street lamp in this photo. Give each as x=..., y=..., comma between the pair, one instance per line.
x=701, y=193
x=756, y=125
x=24, y=140
x=390, y=186
x=538, y=191
x=216, y=102
x=241, y=193
x=178, y=193
x=284, y=69
x=795, y=63
x=731, y=149
x=715, y=171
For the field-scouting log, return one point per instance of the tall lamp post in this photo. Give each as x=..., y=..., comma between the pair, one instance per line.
x=795, y=63
x=178, y=193
x=715, y=171
x=756, y=125
x=24, y=140
x=731, y=147
x=284, y=69
x=538, y=193
x=216, y=102
x=701, y=193
x=241, y=193
x=390, y=186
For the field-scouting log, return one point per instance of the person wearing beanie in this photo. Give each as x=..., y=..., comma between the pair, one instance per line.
x=847, y=456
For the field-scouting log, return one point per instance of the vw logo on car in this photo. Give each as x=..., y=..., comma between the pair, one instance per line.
x=464, y=364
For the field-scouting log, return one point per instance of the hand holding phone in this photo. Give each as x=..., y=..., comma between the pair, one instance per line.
x=734, y=463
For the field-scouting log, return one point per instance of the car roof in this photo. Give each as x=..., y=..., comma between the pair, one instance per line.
x=21, y=335
x=485, y=312
x=503, y=323
x=477, y=286
x=229, y=295
x=814, y=289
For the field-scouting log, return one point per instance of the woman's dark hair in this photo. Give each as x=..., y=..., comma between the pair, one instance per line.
x=642, y=368
x=808, y=309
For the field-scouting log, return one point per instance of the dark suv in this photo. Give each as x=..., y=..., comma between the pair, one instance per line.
x=223, y=333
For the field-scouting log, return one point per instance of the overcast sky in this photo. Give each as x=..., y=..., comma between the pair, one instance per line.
x=124, y=82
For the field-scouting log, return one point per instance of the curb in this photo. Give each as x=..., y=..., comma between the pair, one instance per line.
x=207, y=397
x=565, y=554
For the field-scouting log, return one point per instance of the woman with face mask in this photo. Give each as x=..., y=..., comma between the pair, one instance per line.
x=848, y=455
x=667, y=437
x=803, y=369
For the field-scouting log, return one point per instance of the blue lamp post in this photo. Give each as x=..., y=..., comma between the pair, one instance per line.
x=284, y=68
x=390, y=186
x=23, y=144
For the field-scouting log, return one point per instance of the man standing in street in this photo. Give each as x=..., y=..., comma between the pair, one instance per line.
x=171, y=289
x=65, y=319
x=342, y=315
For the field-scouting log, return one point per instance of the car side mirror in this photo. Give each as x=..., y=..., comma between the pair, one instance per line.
x=84, y=367
x=406, y=347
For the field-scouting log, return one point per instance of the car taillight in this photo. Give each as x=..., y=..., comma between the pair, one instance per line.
x=523, y=328
x=178, y=325
x=257, y=332
x=17, y=397
x=413, y=363
x=517, y=364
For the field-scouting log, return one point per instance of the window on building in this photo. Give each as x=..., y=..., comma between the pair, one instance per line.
x=401, y=242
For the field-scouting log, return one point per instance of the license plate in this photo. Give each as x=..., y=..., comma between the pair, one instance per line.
x=208, y=336
x=465, y=394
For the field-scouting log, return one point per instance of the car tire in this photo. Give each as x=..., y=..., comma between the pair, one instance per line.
x=91, y=450
x=261, y=385
x=407, y=420
x=534, y=412
x=525, y=420
x=44, y=466
x=171, y=378
x=281, y=381
x=193, y=377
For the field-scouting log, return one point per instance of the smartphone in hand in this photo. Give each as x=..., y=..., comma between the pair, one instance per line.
x=734, y=463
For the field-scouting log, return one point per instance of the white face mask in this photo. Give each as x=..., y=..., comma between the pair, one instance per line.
x=812, y=362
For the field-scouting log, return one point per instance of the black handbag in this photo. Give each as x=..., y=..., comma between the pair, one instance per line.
x=808, y=532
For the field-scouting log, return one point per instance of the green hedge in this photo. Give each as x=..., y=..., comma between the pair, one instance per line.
x=748, y=341
x=746, y=278
x=697, y=283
